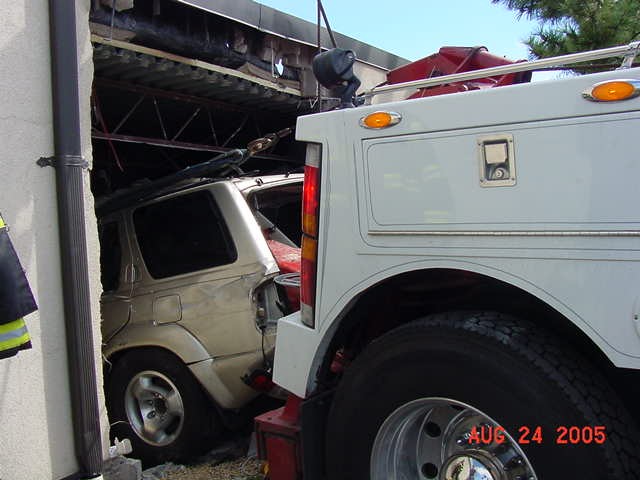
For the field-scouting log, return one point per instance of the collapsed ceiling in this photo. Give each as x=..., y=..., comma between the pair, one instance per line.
x=167, y=95
x=178, y=81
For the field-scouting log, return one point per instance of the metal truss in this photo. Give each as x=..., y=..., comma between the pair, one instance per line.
x=170, y=134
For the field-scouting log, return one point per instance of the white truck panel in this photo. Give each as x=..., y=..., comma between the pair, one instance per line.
x=410, y=198
x=431, y=182
x=299, y=340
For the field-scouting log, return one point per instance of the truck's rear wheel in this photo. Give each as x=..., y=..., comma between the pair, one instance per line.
x=435, y=438
x=454, y=394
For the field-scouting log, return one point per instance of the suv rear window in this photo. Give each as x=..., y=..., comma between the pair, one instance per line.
x=183, y=234
x=282, y=206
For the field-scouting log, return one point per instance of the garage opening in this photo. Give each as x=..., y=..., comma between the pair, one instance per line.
x=190, y=300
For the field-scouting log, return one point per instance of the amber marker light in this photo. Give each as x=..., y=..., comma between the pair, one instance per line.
x=613, y=91
x=379, y=120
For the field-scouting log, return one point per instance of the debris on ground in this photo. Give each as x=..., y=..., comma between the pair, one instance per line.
x=239, y=469
x=227, y=462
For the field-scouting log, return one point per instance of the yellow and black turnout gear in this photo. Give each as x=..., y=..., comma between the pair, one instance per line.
x=16, y=299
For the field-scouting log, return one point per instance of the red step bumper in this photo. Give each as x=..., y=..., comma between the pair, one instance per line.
x=278, y=440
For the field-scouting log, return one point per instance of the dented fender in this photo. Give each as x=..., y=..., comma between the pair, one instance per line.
x=172, y=337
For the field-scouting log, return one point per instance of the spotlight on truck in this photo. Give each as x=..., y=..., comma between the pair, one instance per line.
x=334, y=70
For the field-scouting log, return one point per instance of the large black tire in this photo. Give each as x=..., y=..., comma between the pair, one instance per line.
x=187, y=422
x=505, y=368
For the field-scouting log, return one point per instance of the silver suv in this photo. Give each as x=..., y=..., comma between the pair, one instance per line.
x=189, y=305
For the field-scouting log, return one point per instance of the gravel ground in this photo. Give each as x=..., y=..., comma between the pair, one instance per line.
x=239, y=469
x=233, y=459
x=230, y=461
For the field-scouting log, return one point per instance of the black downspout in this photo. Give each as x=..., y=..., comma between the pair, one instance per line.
x=69, y=164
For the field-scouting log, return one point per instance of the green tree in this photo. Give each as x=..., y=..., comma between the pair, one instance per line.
x=569, y=26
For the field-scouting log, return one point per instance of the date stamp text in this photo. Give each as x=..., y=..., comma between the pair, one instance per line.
x=562, y=435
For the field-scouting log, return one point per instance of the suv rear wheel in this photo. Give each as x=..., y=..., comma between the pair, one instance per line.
x=154, y=401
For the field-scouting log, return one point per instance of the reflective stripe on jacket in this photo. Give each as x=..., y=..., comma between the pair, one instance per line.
x=14, y=337
x=16, y=299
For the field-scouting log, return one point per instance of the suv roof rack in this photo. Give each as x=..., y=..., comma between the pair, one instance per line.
x=218, y=167
x=208, y=169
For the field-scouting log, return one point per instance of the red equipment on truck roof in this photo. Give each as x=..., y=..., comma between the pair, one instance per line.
x=450, y=60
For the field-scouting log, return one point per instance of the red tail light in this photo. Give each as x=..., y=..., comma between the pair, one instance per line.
x=310, y=194
x=310, y=214
x=259, y=380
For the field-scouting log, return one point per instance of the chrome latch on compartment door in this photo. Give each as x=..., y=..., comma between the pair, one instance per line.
x=497, y=160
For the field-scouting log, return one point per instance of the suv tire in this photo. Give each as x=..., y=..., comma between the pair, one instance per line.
x=154, y=401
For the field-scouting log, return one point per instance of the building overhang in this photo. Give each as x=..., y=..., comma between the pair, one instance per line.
x=275, y=22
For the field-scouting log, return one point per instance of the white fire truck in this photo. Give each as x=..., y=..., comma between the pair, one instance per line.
x=470, y=281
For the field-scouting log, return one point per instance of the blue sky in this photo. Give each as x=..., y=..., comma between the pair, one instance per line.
x=416, y=28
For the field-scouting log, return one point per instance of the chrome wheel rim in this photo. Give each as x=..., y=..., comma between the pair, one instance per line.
x=431, y=439
x=154, y=408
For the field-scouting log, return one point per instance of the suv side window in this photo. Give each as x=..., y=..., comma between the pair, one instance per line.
x=182, y=235
x=110, y=256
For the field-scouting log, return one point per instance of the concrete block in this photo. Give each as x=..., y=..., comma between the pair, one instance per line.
x=122, y=468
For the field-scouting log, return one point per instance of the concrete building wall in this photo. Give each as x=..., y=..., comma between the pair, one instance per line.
x=369, y=75
x=36, y=439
